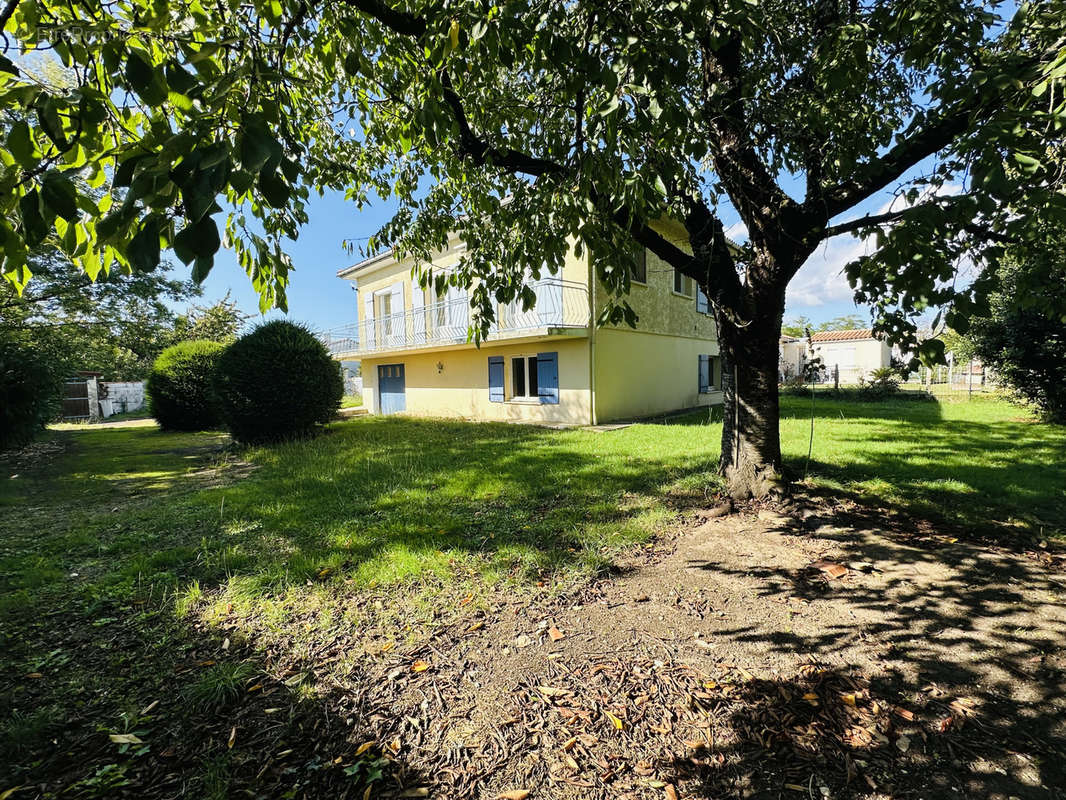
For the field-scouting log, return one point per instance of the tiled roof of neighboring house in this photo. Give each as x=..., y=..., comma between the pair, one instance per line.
x=842, y=336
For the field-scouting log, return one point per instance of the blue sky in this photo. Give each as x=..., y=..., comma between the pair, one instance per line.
x=318, y=297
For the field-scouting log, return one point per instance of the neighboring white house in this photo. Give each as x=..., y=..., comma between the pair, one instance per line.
x=855, y=353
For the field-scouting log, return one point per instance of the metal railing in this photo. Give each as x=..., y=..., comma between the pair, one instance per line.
x=560, y=304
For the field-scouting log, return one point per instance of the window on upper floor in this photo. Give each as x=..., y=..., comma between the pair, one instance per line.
x=639, y=271
x=703, y=305
x=683, y=284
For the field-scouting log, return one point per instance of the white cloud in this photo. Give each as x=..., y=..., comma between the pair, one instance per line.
x=738, y=232
x=821, y=278
x=821, y=281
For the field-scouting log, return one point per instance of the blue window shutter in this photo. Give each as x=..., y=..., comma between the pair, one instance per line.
x=496, y=379
x=704, y=376
x=702, y=304
x=548, y=377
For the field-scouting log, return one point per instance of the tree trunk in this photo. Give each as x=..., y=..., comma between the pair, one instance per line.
x=751, y=445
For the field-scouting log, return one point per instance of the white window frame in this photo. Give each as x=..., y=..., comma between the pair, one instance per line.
x=632, y=279
x=522, y=398
x=691, y=283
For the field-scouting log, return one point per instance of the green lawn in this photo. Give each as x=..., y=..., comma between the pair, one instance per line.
x=118, y=549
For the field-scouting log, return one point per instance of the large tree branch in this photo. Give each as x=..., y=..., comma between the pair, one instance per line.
x=712, y=268
x=943, y=129
x=972, y=227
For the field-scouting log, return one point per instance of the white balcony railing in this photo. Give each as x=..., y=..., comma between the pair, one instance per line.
x=560, y=304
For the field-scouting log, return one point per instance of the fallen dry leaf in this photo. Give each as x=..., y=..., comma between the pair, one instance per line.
x=364, y=747
x=420, y=666
x=618, y=724
x=551, y=691
x=555, y=634
x=513, y=794
x=903, y=743
x=671, y=792
x=232, y=738
x=124, y=738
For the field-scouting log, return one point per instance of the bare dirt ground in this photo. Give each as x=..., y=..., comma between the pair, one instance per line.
x=819, y=651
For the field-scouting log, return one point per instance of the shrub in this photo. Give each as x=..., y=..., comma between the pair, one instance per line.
x=277, y=382
x=180, y=386
x=29, y=394
x=883, y=383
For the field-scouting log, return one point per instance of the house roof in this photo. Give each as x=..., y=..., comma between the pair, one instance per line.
x=842, y=336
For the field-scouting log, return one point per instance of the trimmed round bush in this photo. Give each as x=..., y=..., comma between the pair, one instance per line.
x=180, y=387
x=277, y=382
x=29, y=394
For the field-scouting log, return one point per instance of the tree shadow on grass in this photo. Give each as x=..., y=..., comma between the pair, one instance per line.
x=91, y=571
x=128, y=701
x=999, y=480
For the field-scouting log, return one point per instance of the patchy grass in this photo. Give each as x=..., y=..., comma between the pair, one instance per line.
x=351, y=401
x=128, y=557
x=984, y=464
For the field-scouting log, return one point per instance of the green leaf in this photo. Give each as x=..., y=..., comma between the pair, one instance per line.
x=48, y=116
x=257, y=145
x=273, y=188
x=143, y=250
x=197, y=240
x=34, y=228
x=124, y=172
x=20, y=143
x=59, y=195
x=145, y=79
x=201, y=267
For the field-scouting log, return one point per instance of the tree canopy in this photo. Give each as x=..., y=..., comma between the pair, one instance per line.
x=115, y=325
x=592, y=120
x=1022, y=338
x=530, y=124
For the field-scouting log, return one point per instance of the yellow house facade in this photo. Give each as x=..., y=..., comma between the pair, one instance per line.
x=549, y=365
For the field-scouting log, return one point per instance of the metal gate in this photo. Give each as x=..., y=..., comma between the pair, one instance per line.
x=76, y=400
x=391, y=388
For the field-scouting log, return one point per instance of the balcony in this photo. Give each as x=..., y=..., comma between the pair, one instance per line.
x=562, y=308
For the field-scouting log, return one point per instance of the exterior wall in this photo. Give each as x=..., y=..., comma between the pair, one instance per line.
x=660, y=309
x=640, y=374
x=793, y=357
x=651, y=370
x=383, y=275
x=461, y=388
x=856, y=358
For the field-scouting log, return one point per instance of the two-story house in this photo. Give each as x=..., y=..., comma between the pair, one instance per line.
x=550, y=364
